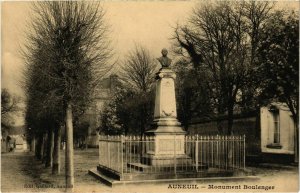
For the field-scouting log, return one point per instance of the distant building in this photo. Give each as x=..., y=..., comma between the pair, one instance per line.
x=13, y=138
x=102, y=94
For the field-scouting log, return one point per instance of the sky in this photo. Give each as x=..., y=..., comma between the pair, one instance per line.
x=148, y=23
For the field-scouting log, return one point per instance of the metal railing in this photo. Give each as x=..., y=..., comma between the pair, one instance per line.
x=134, y=154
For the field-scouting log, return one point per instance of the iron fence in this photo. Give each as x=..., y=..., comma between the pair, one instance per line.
x=135, y=154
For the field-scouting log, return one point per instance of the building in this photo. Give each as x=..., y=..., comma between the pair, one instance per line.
x=90, y=120
x=277, y=131
x=270, y=132
x=13, y=138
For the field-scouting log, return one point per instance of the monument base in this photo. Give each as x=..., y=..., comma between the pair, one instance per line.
x=166, y=160
x=171, y=126
x=168, y=145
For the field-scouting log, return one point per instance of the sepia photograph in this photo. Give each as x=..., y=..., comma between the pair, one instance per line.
x=150, y=96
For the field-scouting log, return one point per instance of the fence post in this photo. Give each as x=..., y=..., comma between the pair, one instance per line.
x=244, y=140
x=233, y=153
x=201, y=151
x=212, y=150
x=129, y=151
x=196, y=153
x=175, y=154
x=99, y=150
x=226, y=152
x=122, y=164
x=108, y=153
x=218, y=154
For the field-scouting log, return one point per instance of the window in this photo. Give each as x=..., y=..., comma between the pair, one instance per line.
x=276, y=127
x=275, y=124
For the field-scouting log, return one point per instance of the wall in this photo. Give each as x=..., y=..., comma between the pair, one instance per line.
x=248, y=126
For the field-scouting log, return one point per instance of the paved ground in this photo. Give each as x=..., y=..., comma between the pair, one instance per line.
x=21, y=172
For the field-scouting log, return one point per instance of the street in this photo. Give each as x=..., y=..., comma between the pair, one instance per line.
x=21, y=172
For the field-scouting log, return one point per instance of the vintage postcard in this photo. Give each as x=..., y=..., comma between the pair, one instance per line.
x=149, y=96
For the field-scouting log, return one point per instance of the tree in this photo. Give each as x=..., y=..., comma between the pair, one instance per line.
x=9, y=106
x=256, y=14
x=138, y=78
x=68, y=50
x=121, y=115
x=41, y=117
x=189, y=93
x=279, y=59
x=8, y=102
x=138, y=70
x=110, y=121
x=131, y=109
x=217, y=39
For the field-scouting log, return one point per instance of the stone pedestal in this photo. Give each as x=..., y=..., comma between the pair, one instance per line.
x=168, y=134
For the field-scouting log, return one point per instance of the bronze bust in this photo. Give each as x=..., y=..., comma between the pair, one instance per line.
x=164, y=60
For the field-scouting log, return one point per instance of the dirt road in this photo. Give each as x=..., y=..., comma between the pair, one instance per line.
x=21, y=172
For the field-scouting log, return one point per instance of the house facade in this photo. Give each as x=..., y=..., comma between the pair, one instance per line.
x=277, y=129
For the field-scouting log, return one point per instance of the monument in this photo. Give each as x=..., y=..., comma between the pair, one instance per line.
x=166, y=153
x=166, y=129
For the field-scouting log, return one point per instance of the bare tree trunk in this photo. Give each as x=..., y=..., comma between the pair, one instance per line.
x=86, y=142
x=42, y=147
x=294, y=109
x=69, y=149
x=230, y=118
x=6, y=146
x=230, y=133
x=220, y=127
x=37, y=145
x=38, y=149
x=50, y=145
x=296, y=144
x=56, y=151
x=32, y=144
x=46, y=138
x=230, y=122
